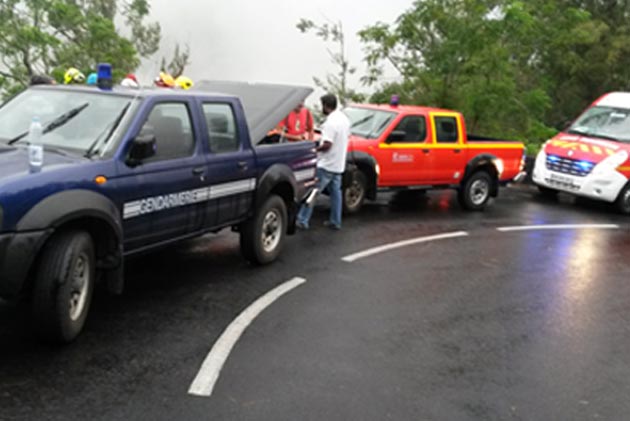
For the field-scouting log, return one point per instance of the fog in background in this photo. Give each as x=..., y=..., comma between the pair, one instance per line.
x=257, y=40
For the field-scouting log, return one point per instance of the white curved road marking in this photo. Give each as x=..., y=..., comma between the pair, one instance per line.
x=208, y=374
x=558, y=227
x=392, y=246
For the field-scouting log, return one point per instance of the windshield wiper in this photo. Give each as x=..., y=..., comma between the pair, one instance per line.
x=379, y=129
x=90, y=151
x=60, y=121
x=589, y=134
x=363, y=120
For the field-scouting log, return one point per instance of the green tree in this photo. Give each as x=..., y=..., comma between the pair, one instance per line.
x=335, y=83
x=48, y=36
x=515, y=68
x=178, y=63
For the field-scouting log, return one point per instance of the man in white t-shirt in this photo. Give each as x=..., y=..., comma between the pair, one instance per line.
x=331, y=164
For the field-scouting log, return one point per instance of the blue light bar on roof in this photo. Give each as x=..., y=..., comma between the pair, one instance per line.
x=105, y=79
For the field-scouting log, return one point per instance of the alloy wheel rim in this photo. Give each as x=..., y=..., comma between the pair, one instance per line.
x=271, y=231
x=79, y=287
x=479, y=192
x=354, y=194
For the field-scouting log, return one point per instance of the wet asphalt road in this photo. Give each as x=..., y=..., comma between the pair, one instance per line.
x=492, y=326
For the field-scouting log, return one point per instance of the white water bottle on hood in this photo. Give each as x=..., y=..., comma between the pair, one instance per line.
x=35, y=146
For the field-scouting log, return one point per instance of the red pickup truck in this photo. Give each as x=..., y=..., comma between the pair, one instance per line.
x=409, y=147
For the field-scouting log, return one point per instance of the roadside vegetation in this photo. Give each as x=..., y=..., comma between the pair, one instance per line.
x=516, y=69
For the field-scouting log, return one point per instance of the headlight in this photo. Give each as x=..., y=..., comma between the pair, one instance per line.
x=611, y=163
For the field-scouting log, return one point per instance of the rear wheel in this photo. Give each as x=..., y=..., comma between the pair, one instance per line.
x=475, y=192
x=262, y=237
x=354, y=194
x=623, y=200
x=63, y=287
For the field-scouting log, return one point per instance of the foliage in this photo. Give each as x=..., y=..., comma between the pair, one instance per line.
x=48, y=36
x=516, y=69
x=336, y=83
x=178, y=62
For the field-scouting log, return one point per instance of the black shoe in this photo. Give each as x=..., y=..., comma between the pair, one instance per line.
x=332, y=226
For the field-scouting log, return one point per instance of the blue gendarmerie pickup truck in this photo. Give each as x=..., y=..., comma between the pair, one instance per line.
x=129, y=171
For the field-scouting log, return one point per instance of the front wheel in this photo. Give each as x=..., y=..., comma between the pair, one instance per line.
x=354, y=194
x=623, y=200
x=475, y=192
x=64, y=283
x=262, y=237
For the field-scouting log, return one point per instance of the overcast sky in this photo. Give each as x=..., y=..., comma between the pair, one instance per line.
x=256, y=40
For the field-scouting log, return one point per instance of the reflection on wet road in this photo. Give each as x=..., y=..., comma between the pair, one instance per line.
x=492, y=325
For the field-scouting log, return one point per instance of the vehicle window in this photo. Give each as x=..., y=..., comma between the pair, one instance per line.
x=446, y=130
x=79, y=118
x=415, y=128
x=170, y=122
x=368, y=123
x=604, y=122
x=222, y=132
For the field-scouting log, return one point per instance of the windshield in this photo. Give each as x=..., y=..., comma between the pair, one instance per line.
x=71, y=120
x=368, y=123
x=604, y=122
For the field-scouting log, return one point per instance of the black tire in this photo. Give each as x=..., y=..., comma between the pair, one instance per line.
x=354, y=194
x=63, y=288
x=263, y=236
x=623, y=200
x=475, y=191
x=547, y=192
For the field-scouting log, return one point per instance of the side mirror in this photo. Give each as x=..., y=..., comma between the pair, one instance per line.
x=142, y=148
x=396, y=136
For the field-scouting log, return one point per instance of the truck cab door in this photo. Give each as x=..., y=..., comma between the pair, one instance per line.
x=161, y=197
x=404, y=157
x=231, y=164
x=448, y=148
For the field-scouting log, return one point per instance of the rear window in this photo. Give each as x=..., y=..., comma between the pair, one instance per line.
x=446, y=130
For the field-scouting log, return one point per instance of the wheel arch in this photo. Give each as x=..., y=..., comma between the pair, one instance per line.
x=367, y=164
x=82, y=210
x=279, y=180
x=484, y=162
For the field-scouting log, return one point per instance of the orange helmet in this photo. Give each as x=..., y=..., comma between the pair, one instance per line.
x=165, y=80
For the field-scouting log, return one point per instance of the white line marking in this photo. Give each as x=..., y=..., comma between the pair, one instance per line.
x=387, y=247
x=558, y=227
x=208, y=374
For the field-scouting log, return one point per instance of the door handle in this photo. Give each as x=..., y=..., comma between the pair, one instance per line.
x=242, y=165
x=426, y=151
x=457, y=150
x=198, y=171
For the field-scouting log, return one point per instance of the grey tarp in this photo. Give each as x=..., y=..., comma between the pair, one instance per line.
x=265, y=104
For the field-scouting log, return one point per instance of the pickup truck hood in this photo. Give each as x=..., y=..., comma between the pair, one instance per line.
x=265, y=104
x=14, y=161
x=583, y=148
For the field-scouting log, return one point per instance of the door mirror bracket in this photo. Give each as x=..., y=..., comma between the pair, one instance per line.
x=143, y=147
x=396, y=136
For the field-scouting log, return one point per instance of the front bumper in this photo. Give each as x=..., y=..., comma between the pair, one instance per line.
x=17, y=255
x=599, y=185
